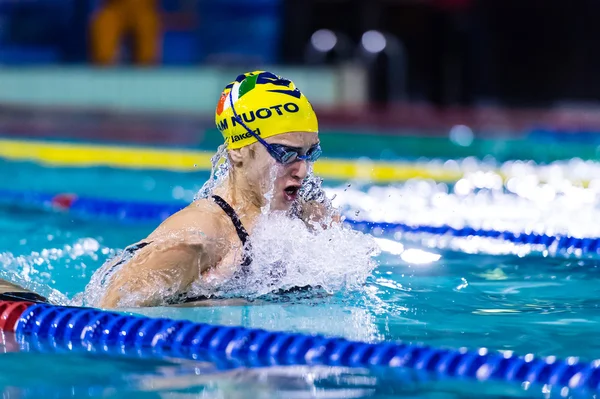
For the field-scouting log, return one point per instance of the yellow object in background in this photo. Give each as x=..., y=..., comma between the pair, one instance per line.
x=68, y=154
x=118, y=19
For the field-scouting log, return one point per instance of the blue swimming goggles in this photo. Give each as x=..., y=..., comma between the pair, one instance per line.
x=283, y=154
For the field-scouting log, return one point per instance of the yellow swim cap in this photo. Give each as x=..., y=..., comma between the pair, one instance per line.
x=267, y=104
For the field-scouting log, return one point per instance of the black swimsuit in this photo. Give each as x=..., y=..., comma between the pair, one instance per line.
x=239, y=229
x=246, y=259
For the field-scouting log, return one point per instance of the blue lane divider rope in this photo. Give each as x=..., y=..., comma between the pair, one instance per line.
x=114, y=333
x=141, y=212
x=559, y=243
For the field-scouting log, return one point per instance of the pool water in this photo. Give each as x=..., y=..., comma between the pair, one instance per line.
x=491, y=296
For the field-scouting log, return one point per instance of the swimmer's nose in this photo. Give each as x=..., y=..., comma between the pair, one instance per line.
x=299, y=169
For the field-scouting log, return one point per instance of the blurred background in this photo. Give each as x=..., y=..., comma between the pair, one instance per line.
x=473, y=114
x=453, y=71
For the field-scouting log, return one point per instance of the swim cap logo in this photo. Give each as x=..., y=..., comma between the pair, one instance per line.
x=261, y=113
x=221, y=104
x=274, y=106
x=235, y=91
x=244, y=84
x=294, y=93
x=238, y=137
x=271, y=78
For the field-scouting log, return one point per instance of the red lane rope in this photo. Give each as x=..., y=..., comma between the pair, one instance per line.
x=10, y=312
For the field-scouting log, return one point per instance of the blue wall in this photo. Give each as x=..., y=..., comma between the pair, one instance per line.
x=55, y=31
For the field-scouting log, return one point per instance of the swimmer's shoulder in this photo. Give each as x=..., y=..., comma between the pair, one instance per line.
x=201, y=216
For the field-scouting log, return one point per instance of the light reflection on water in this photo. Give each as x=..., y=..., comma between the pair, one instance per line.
x=70, y=376
x=438, y=291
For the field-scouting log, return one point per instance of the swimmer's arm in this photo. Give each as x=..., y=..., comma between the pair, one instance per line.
x=144, y=281
x=183, y=246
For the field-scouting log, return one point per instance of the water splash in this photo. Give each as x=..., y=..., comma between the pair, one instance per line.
x=39, y=270
x=312, y=190
x=218, y=172
x=286, y=253
x=482, y=201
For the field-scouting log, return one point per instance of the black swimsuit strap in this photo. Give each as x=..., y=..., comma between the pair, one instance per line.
x=125, y=256
x=237, y=223
x=244, y=237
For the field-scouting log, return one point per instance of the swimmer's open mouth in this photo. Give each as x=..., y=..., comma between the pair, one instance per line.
x=291, y=192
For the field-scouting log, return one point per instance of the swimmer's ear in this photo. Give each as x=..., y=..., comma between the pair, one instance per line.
x=236, y=157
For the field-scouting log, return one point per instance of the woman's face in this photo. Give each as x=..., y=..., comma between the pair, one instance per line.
x=264, y=173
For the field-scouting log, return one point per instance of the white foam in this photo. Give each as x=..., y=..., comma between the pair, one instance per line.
x=35, y=271
x=524, y=205
x=286, y=253
x=517, y=196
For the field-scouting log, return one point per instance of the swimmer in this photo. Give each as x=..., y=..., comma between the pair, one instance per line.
x=271, y=138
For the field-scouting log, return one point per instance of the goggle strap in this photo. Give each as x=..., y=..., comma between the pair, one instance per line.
x=276, y=155
x=241, y=122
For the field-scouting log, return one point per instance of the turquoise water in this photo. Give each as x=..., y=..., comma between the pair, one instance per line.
x=523, y=303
